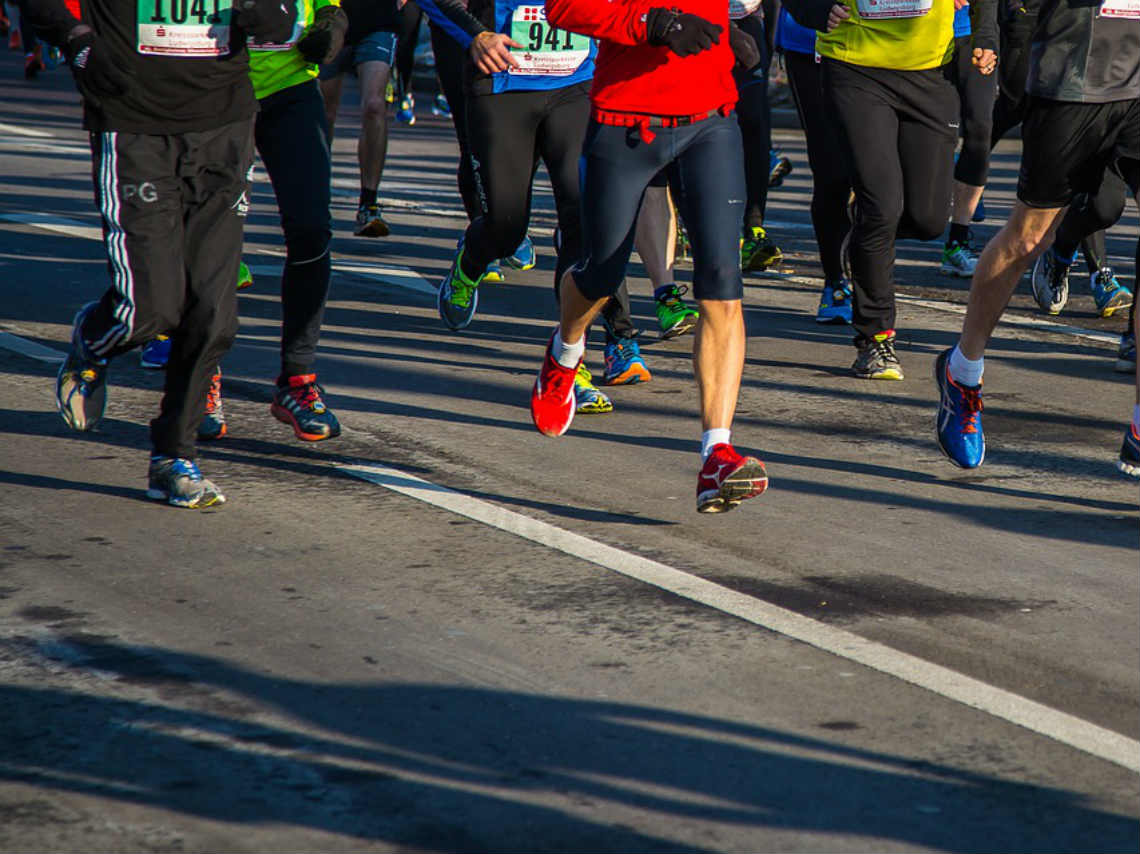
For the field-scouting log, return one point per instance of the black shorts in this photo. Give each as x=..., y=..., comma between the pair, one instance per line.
x=1067, y=146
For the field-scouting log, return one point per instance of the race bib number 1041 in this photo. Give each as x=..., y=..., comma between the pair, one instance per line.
x=186, y=28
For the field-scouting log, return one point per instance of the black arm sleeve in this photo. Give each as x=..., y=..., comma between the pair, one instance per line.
x=810, y=13
x=51, y=19
x=452, y=17
x=983, y=24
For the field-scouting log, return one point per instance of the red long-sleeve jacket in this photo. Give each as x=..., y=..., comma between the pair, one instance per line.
x=635, y=77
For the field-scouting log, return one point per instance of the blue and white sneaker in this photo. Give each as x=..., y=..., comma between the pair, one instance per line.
x=406, y=111
x=81, y=384
x=834, y=302
x=1126, y=354
x=624, y=364
x=1050, y=281
x=522, y=258
x=1129, y=462
x=156, y=353
x=1109, y=294
x=178, y=482
x=958, y=424
x=440, y=107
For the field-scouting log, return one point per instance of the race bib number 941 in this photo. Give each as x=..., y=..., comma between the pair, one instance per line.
x=545, y=48
x=186, y=28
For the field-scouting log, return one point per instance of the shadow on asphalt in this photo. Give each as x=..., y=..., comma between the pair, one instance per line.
x=447, y=768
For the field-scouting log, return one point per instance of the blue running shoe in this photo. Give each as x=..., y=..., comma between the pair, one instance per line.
x=440, y=107
x=406, y=111
x=834, y=303
x=1109, y=294
x=493, y=273
x=1126, y=354
x=624, y=365
x=958, y=424
x=81, y=384
x=178, y=482
x=779, y=167
x=156, y=353
x=979, y=211
x=522, y=258
x=1129, y=462
x=588, y=398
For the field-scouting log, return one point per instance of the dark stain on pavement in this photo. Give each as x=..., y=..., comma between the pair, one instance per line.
x=837, y=599
x=48, y=614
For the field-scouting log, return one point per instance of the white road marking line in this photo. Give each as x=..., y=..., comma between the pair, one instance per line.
x=1036, y=717
x=58, y=224
x=389, y=274
x=15, y=343
x=23, y=131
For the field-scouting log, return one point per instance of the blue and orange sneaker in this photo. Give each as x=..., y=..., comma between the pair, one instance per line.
x=958, y=424
x=1129, y=462
x=624, y=364
x=155, y=353
x=298, y=403
x=213, y=423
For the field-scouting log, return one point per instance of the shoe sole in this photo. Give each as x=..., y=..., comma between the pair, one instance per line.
x=937, y=426
x=1124, y=366
x=950, y=271
x=214, y=499
x=1127, y=468
x=891, y=375
x=1110, y=310
x=374, y=229
x=752, y=267
x=630, y=377
x=286, y=417
x=679, y=328
x=834, y=319
x=749, y=481
x=81, y=420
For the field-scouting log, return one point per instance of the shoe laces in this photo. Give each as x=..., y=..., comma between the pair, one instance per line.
x=556, y=377
x=307, y=395
x=583, y=377
x=626, y=349
x=970, y=409
x=1105, y=279
x=214, y=395
x=672, y=296
x=883, y=345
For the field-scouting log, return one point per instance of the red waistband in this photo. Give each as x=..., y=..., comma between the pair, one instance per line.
x=644, y=122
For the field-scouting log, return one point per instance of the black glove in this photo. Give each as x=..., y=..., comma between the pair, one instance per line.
x=96, y=76
x=323, y=40
x=682, y=33
x=743, y=47
x=266, y=20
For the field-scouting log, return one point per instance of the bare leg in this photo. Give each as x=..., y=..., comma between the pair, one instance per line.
x=966, y=198
x=655, y=236
x=577, y=311
x=718, y=360
x=372, y=148
x=1026, y=235
x=330, y=91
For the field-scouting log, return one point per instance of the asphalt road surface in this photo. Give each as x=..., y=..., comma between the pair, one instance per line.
x=445, y=632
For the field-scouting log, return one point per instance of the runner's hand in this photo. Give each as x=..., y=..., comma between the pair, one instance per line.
x=959, y=5
x=96, y=76
x=837, y=16
x=743, y=47
x=985, y=60
x=266, y=21
x=681, y=32
x=324, y=38
x=491, y=52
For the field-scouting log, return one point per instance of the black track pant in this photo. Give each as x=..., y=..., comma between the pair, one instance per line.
x=755, y=117
x=831, y=185
x=976, y=92
x=449, y=60
x=896, y=128
x=173, y=209
x=293, y=141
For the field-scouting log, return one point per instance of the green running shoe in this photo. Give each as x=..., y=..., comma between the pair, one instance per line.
x=758, y=252
x=458, y=297
x=245, y=277
x=676, y=318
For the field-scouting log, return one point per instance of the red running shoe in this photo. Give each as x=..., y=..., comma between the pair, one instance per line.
x=552, y=400
x=727, y=478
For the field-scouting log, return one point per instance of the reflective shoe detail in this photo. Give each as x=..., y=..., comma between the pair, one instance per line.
x=673, y=314
x=1109, y=294
x=587, y=397
x=213, y=423
x=1126, y=354
x=178, y=482
x=299, y=405
x=727, y=478
x=758, y=252
x=876, y=359
x=958, y=259
x=458, y=297
x=834, y=303
x=245, y=277
x=522, y=258
x=1050, y=281
x=958, y=423
x=779, y=167
x=493, y=273
x=440, y=107
x=81, y=384
x=155, y=353
x=552, y=400
x=369, y=222
x=1129, y=462
x=406, y=112
x=624, y=364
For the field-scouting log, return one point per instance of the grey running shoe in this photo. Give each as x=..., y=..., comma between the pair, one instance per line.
x=1050, y=281
x=178, y=482
x=81, y=384
x=876, y=359
x=369, y=222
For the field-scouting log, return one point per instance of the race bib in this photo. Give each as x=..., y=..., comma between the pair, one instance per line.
x=186, y=28
x=893, y=8
x=1121, y=9
x=546, y=50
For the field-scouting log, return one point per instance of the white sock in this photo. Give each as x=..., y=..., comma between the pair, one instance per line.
x=965, y=371
x=1136, y=419
x=567, y=355
x=711, y=438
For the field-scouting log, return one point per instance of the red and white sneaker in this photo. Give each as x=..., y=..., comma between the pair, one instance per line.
x=552, y=402
x=727, y=478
